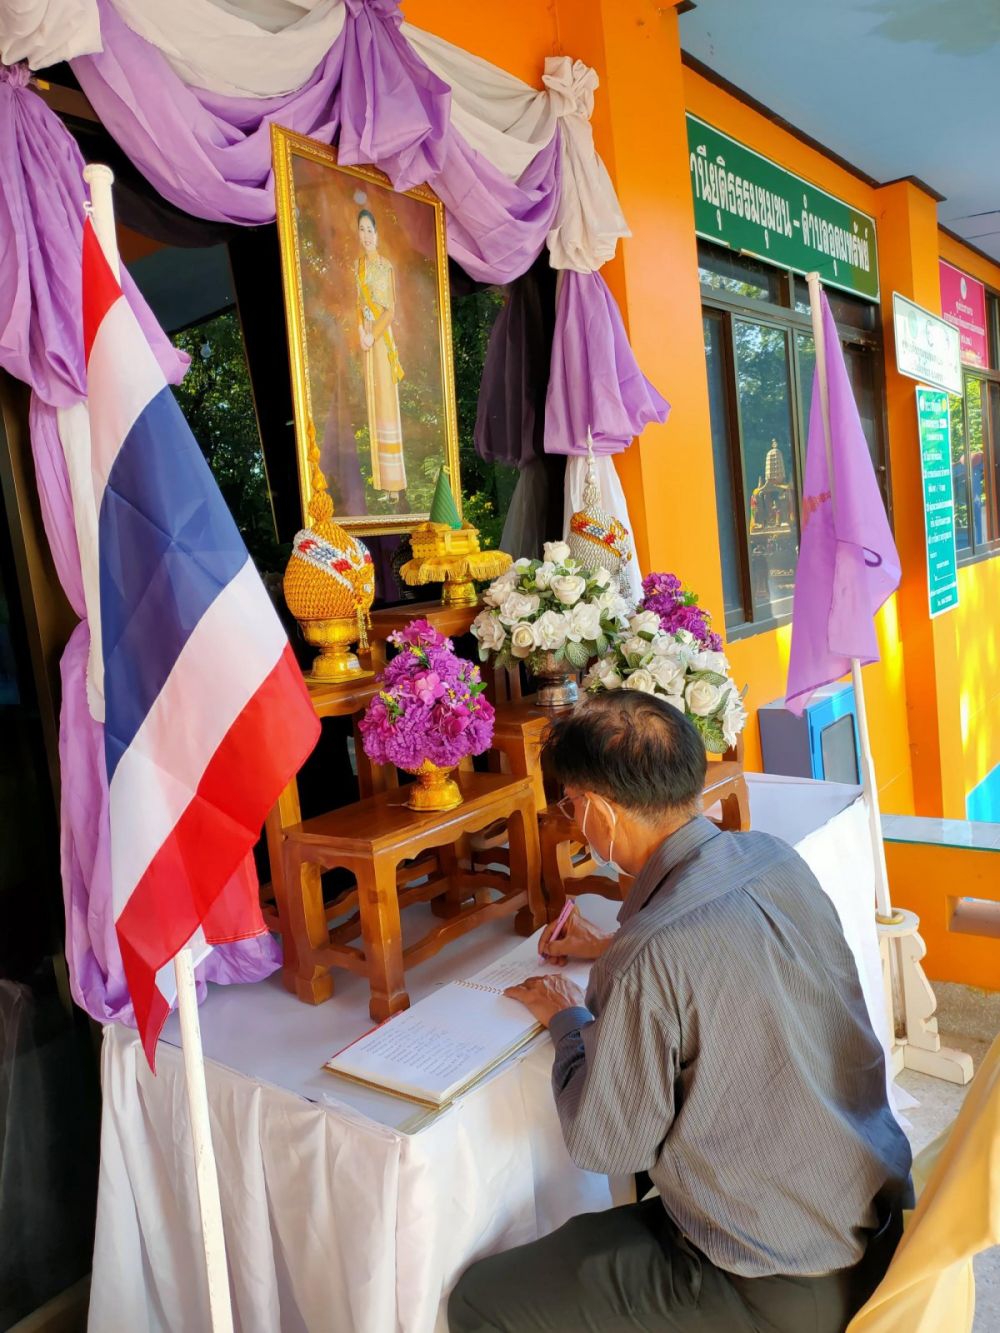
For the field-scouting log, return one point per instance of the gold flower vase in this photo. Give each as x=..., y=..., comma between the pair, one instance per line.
x=434, y=789
x=556, y=680
x=335, y=663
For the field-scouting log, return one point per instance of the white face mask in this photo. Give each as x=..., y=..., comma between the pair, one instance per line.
x=605, y=862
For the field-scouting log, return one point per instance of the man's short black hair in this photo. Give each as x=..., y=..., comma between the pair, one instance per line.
x=633, y=749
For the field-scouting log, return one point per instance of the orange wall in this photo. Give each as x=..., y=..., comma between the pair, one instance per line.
x=935, y=709
x=516, y=35
x=762, y=660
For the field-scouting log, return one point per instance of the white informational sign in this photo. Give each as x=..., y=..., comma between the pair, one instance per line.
x=928, y=348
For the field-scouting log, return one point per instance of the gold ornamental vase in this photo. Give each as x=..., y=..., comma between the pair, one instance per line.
x=556, y=681
x=334, y=638
x=435, y=789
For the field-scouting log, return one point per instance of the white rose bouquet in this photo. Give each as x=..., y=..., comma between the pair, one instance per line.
x=680, y=669
x=552, y=605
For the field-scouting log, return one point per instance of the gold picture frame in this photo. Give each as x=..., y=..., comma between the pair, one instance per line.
x=368, y=381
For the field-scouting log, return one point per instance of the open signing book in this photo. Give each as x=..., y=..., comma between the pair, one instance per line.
x=449, y=1040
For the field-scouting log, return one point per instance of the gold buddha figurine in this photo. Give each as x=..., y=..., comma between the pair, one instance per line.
x=771, y=503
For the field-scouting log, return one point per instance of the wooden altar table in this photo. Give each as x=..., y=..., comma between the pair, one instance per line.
x=347, y=1209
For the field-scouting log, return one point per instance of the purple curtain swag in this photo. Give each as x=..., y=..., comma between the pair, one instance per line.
x=210, y=156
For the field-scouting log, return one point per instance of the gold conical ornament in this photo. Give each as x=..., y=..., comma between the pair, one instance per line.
x=446, y=551
x=329, y=584
x=597, y=539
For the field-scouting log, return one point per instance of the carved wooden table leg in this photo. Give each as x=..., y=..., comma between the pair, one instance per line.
x=736, y=807
x=449, y=903
x=310, y=981
x=378, y=903
x=526, y=865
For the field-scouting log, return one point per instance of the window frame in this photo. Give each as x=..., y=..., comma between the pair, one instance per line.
x=988, y=549
x=727, y=306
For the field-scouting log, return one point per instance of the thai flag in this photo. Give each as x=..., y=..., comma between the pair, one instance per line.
x=206, y=713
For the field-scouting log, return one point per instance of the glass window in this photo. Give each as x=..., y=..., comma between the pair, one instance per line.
x=959, y=476
x=725, y=502
x=763, y=390
x=49, y=1094
x=760, y=377
x=975, y=452
x=975, y=457
x=740, y=275
x=849, y=310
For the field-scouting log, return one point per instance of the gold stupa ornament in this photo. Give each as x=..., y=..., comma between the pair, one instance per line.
x=597, y=539
x=329, y=585
x=772, y=503
x=446, y=551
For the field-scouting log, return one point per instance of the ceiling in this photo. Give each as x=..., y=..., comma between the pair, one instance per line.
x=895, y=87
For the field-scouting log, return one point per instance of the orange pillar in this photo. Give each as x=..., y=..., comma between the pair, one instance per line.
x=639, y=130
x=908, y=264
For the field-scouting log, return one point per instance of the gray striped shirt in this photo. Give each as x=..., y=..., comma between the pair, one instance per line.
x=726, y=1049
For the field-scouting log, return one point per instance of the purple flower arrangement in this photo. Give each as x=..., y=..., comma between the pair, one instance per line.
x=678, y=609
x=431, y=705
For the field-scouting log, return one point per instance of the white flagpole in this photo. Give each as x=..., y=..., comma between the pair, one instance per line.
x=883, y=904
x=212, y=1235
x=100, y=179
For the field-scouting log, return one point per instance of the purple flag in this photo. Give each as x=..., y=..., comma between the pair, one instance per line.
x=848, y=565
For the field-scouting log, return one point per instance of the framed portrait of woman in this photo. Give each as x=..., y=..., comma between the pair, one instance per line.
x=365, y=274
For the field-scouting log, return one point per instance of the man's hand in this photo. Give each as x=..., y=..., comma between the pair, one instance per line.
x=579, y=938
x=546, y=996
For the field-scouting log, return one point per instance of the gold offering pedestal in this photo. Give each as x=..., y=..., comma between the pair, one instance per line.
x=335, y=664
x=451, y=556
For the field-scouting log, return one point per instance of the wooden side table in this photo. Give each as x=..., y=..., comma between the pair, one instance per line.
x=372, y=839
x=519, y=734
x=349, y=699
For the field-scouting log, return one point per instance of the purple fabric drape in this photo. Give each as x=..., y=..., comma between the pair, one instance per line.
x=41, y=203
x=393, y=109
x=41, y=223
x=211, y=155
x=594, y=380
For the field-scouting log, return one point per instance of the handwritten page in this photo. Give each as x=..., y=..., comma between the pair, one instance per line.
x=424, y=1048
x=518, y=966
x=447, y=1040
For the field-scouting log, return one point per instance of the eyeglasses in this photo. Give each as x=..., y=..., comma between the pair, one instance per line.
x=566, y=808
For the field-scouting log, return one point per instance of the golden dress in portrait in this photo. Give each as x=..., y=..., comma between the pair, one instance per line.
x=376, y=306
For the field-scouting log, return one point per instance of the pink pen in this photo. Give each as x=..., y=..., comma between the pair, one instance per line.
x=561, y=920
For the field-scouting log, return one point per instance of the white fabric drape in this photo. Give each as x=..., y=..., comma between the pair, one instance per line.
x=332, y=1221
x=235, y=49
x=612, y=499
x=590, y=220
x=43, y=32
x=264, y=48
x=503, y=118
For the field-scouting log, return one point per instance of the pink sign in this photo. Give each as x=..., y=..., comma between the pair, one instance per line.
x=963, y=303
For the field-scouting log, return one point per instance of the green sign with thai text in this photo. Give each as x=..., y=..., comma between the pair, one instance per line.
x=934, y=431
x=750, y=204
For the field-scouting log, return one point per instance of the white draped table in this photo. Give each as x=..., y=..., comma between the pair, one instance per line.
x=346, y=1211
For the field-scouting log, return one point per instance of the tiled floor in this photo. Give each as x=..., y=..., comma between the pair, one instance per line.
x=969, y=1020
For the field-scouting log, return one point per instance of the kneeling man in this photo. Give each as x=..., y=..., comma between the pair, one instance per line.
x=724, y=1048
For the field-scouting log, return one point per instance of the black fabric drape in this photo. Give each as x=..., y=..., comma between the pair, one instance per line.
x=510, y=422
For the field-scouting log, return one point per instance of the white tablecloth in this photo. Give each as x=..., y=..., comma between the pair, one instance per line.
x=346, y=1212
